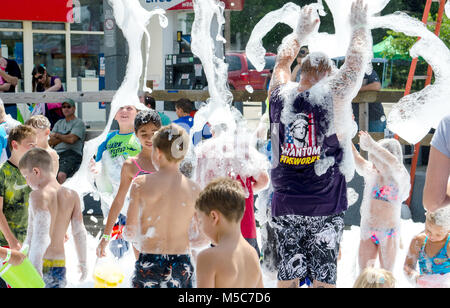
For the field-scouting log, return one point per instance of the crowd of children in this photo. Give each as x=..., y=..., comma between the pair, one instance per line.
x=163, y=215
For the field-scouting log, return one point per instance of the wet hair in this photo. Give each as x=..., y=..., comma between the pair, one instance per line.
x=225, y=196
x=440, y=217
x=316, y=63
x=150, y=101
x=185, y=104
x=173, y=141
x=37, y=158
x=19, y=133
x=145, y=117
x=375, y=278
x=38, y=121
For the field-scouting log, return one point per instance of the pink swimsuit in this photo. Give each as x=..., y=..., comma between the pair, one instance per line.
x=141, y=171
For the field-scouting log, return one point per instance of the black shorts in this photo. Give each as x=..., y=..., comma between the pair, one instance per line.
x=308, y=247
x=69, y=162
x=163, y=271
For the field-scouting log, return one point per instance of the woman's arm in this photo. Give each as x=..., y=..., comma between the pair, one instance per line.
x=56, y=87
x=436, y=193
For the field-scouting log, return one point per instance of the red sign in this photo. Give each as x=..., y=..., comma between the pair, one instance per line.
x=233, y=5
x=32, y=10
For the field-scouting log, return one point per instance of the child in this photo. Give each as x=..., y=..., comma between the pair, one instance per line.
x=434, y=241
x=160, y=215
x=232, y=262
x=146, y=124
x=111, y=155
x=387, y=185
x=52, y=209
x=6, y=124
x=42, y=126
x=229, y=154
x=183, y=109
x=14, y=190
x=375, y=278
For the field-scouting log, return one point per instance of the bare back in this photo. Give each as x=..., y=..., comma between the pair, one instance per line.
x=167, y=202
x=236, y=265
x=61, y=210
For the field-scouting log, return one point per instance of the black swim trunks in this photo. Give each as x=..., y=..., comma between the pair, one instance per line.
x=308, y=247
x=163, y=271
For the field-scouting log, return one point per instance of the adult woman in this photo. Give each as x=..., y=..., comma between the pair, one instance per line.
x=44, y=82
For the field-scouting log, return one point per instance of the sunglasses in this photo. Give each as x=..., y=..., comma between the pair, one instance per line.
x=66, y=106
x=39, y=77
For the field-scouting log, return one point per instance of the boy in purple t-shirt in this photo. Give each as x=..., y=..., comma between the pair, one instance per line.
x=310, y=139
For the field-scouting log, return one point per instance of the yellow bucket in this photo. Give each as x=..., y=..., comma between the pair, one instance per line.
x=107, y=275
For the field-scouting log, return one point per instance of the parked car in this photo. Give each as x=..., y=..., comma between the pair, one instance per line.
x=241, y=72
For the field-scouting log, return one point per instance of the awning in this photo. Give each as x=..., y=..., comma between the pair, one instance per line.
x=32, y=10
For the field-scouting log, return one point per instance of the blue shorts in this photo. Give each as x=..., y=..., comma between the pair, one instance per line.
x=163, y=271
x=54, y=274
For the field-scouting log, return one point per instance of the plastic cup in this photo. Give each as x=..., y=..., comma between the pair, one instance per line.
x=23, y=275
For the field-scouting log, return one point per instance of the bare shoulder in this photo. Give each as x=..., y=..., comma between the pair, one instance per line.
x=196, y=189
x=128, y=167
x=38, y=199
x=418, y=240
x=208, y=257
x=67, y=194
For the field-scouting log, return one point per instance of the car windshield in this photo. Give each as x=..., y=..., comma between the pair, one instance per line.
x=270, y=63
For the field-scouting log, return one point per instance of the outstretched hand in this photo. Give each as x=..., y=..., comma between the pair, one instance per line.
x=365, y=140
x=358, y=15
x=308, y=22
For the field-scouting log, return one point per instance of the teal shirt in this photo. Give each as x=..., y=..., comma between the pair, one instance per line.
x=116, y=144
x=165, y=120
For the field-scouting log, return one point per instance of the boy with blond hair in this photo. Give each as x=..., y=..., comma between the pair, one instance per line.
x=52, y=209
x=232, y=262
x=42, y=126
x=160, y=215
x=14, y=190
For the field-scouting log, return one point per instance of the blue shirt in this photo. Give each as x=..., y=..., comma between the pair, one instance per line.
x=185, y=122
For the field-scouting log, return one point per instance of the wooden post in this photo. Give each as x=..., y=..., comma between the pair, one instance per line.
x=364, y=121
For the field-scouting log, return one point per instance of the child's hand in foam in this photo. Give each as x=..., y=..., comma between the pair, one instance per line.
x=365, y=141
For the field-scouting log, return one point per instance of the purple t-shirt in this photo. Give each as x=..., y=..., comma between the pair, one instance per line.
x=302, y=144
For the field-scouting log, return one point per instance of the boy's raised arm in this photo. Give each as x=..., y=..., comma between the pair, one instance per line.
x=79, y=235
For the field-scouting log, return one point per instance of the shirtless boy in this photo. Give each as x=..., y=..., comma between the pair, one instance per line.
x=52, y=209
x=232, y=262
x=160, y=215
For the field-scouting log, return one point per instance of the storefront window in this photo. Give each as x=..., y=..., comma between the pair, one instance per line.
x=49, y=50
x=48, y=26
x=88, y=15
x=85, y=55
x=12, y=48
x=11, y=24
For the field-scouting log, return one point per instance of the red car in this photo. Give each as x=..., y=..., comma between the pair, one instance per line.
x=241, y=72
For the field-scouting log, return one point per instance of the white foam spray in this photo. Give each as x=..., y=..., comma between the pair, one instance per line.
x=132, y=19
x=415, y=114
